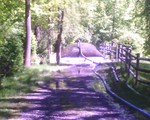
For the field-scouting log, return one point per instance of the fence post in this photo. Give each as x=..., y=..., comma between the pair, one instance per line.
x=126, y=58
x=129, y=60
x=113, y=50
x=110, y=50
x=124, y=49
x=137, y=67
x=118, y=52
x=105, y=49
x=121, y=55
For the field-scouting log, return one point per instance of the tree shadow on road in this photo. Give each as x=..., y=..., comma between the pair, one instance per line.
x=76, y=102
x=67, y=96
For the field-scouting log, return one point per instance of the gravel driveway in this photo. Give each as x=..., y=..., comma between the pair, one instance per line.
x=72, y=99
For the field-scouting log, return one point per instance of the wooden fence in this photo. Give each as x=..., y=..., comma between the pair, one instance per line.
x=132, y=63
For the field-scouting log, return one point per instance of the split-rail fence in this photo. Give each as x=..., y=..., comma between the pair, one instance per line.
x=132, y=63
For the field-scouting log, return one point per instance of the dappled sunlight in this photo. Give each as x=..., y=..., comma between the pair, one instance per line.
x=76, y=114
x=52, y=53
x=67, y=97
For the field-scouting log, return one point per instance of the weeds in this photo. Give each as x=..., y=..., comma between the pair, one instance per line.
x=128, y=90
x=11, y=101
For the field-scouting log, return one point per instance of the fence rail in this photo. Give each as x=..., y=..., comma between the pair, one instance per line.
x=132, y=63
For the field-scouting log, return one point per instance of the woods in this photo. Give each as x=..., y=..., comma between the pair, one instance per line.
x=44, y=27
x=33, y=32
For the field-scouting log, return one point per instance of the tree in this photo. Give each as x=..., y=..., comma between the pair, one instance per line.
x=11, y=37
x=45, y=16
x=59, y=39
x=147, y=17
x=11, y=13
x=90, y=21
x=27, y=58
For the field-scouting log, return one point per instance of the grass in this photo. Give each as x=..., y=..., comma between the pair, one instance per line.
x=26, y=81
x=125, y=92
x=145, y=76
x=11, y=101
x=98, y=86
x=138, y=95
x=144, y=89
x=145, y=66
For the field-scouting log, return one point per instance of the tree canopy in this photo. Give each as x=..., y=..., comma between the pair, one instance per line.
x=90, y=21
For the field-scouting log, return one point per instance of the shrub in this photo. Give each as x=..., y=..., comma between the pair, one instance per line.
x=134, y=40
x=11, y=56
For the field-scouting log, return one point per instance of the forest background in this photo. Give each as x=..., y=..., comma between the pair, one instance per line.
x=56, y=23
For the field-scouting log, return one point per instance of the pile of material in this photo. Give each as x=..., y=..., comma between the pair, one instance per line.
x=88, y=50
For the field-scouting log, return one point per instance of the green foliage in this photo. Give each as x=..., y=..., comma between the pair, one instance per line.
x=11, y=56
x=91, y=21
x=102, y=22
x=141, y=22
x=34, y=44
x=131, y=93
x=21, y=83
x=10, y=12
x=134, y=40
x=11, y=36
x=26, y=80
x=147, y=17
x=143, y=75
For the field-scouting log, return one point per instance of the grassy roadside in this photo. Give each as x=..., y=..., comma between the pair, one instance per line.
x=143, y=89
x=137, y=94
x=127, y=89
x=145, y=76
x=26, y=80
x=19, y=84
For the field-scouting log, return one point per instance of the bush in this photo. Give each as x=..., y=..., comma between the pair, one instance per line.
x=134, y=40
x=11, y=56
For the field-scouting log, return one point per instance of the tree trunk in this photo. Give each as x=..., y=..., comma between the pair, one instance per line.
x=59, y=40
x=49, y=48
x=58, y=49
x=37, y=34
x=27, y=61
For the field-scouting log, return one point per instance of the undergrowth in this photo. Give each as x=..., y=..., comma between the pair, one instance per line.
x=137, y=94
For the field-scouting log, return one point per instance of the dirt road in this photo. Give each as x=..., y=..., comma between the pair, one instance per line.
x=69, y=96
